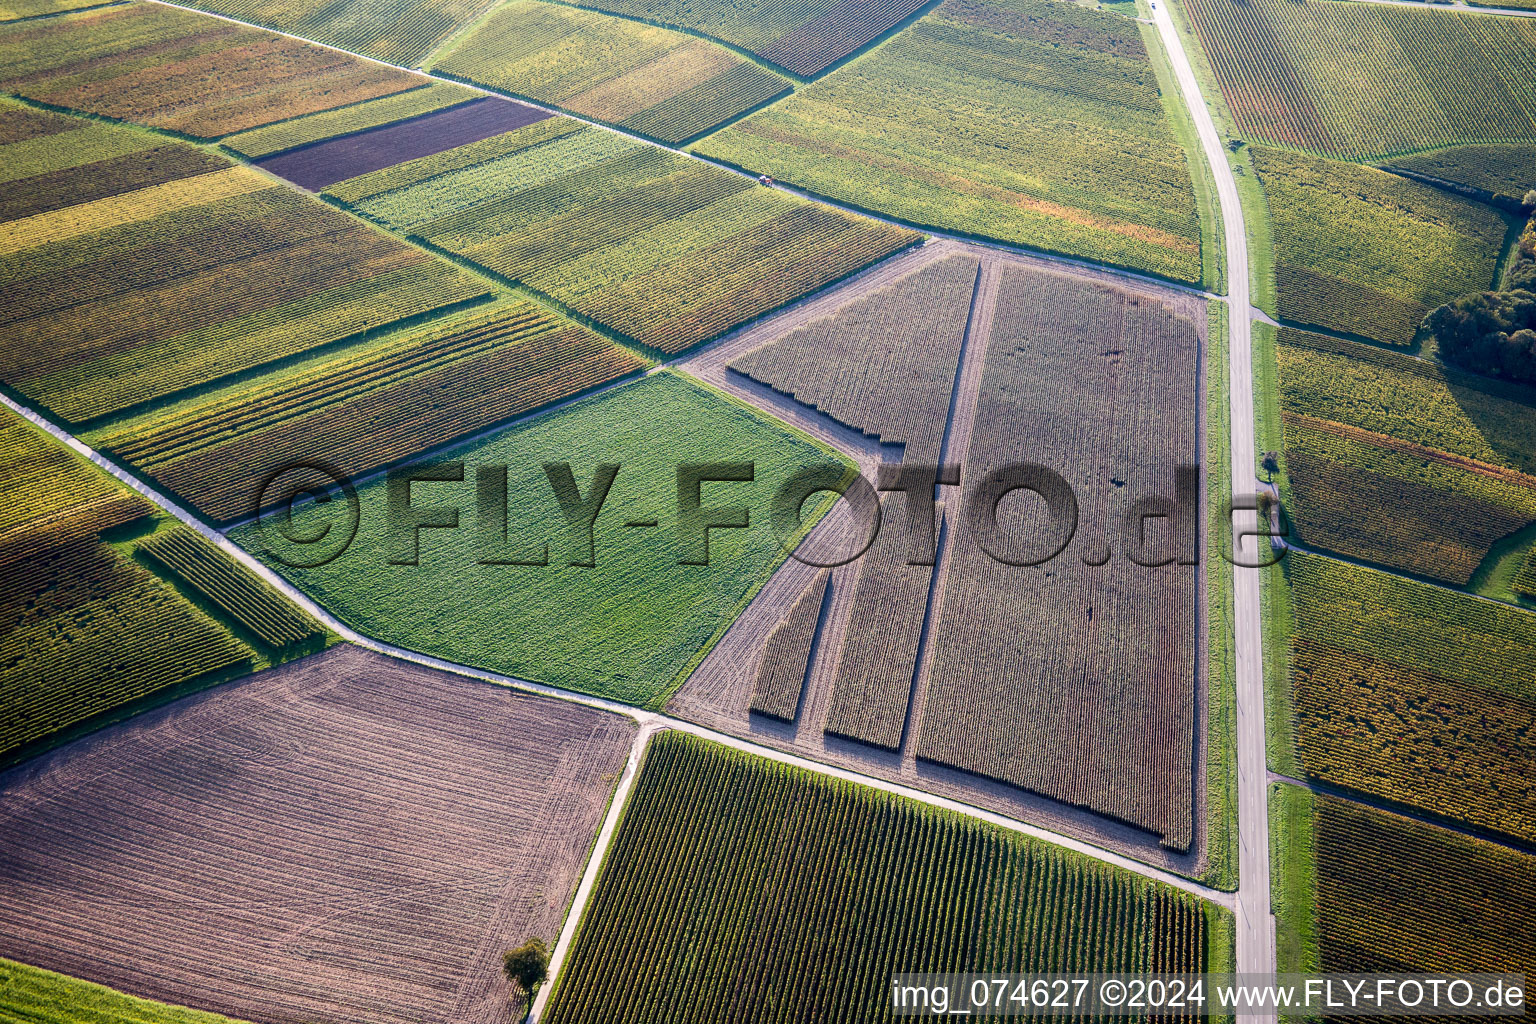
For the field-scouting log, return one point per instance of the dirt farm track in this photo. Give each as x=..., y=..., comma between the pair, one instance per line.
x=346, y=838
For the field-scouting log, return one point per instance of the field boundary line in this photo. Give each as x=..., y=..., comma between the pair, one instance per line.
x=655, y=720
x=1071, y=261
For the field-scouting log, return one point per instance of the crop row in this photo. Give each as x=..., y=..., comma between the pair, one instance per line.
x=1503, y=173
x=1398, y=895
x=85, y=629
x=1525, y=579
x=653, y=80
x=878, y=660
x=1365, y=81
x=1064, y=146
x=397, y=31
x=1393, y=506
x=363, y=411
x=113, y=176
x=1370, y=253
x=131, y=298
x=1413, y=738
x=786, y=656
x=1075, y=678
x=328, y=124
x=884, y=365
x=740, y=888
x=151, y=64
x=230, y=586
x=845, y=27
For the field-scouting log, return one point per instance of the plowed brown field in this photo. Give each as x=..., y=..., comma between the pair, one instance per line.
x=345, y=838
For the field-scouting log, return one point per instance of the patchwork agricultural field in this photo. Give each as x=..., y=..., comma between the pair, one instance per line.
x=153, y=65
x=1400, y=461
x=1396, y=895
x=1370, y=253
x=183, y=270
x=668, y=251
x=330, y=841
x=1025, y=121
x=763, y=888
x=1414, y=694
x=627, y=627
x=1365, y=81
x=1097, y=384
x=401, y=32
x=803, y=37
x=365, y=406
x=359, y=117
x=659, y=83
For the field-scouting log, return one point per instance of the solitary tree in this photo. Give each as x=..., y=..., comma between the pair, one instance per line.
x=1271, y=464
x=527, y=965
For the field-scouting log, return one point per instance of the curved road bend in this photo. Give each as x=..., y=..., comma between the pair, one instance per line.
x=1255, y=923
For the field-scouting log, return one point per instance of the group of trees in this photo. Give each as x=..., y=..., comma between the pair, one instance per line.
x=1494, y=333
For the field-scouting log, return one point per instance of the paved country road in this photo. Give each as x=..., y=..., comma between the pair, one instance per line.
x=1255, y=924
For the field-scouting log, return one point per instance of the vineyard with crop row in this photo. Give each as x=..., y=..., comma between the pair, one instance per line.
x=662, y=84
x=327, y=162
x=878, y=660
x=804, y=37
x=1075, y=678
x=786, y=656
x=366, y=407
x=1401, y=461
x=85, y=628
x=884, y=365
x=232, y=587
x=666, y=250
x=628, y=626
x=1364, y=81
x=134, y=297
x=152, y=65
x=1024, y=121
x=401, y=32
x=1503, y=173
x=1400, y=896
x=1414, y=694
x=330, y=124
x=1371, y=253
x=740, y=888
x=343, y=838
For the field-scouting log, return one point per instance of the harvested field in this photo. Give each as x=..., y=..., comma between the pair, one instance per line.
x=325, y=163
x=746, y=889
x=1503, y=174
x=1076, y=678
x=801, y=36
x=143, y=293
x=329, y=124
x=781, y=676
x=1414, y=694
x=1370, y=253
x=1395, y=895
x=668, y=251
x=152, y=65
x=663, y=84
x=1025, y=121
x=1364, y=81
x=1401, y=461
x=633, y=622
x=885, y=365
x=878, y=659
x=344, y=839
x=86, y=628
x=366, y=406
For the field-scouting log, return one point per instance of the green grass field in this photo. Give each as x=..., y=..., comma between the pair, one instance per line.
x=1026, y=121
x=627, y=628
x=35, y=996
x=1370, y=253
x=660, y=83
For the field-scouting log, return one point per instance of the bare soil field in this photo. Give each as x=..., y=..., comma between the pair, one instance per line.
x=346, y=838
x=719, y=692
